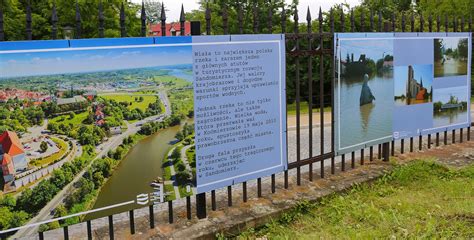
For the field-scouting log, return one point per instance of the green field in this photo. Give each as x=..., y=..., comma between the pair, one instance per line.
x=130, y=98
x=420, y=200
x=77, y=120
x=304, y=109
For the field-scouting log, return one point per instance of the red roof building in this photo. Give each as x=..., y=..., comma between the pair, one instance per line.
x=172, y=29
x=11, y=154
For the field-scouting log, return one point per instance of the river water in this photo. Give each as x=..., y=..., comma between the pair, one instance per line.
x=136, y=171
x=368, y=122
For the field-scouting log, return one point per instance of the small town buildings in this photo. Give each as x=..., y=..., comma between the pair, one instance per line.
x=172, y=29
x=12, y=156
x=90, y=95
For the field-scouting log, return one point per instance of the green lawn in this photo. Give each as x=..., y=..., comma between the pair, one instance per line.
x=419, y=200
x=77, y=120
x=304, y=109
x=130, y=98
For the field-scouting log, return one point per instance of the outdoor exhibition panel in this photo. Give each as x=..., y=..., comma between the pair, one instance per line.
x=117, y=123
x=392, y=86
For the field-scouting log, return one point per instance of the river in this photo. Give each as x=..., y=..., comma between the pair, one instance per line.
x=368, y=122
x=141, y=165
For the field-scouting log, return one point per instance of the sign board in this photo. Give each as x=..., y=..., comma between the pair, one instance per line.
x=116, y=124
x=398, y=85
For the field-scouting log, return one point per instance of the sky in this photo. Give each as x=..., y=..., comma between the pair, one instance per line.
x=373, y=49
x=75, y=61
x=420, y=71
x=443, y=94
x=174, y=6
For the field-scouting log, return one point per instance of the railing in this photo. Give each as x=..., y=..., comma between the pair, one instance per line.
x=308, y=52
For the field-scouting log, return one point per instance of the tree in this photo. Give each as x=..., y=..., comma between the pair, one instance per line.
x=179, y=136
x=43, y=146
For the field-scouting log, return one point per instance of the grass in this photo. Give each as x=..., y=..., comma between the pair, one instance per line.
x=418, y=200
x=304, y=109
x=130, y=98
x=76, y=121
x=62, y=146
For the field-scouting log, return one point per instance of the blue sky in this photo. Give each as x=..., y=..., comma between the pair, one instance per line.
x=373, y=49
x=443, y=94
x=421, y=71
x=74, y=61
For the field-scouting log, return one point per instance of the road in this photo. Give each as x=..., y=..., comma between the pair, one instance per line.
x=112, y=143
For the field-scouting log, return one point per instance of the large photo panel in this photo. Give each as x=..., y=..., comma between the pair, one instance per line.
x=364, y=90
x=99, y=127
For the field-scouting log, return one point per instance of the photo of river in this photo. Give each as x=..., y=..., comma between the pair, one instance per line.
x=366, y=90
x=450, y=56
x=450, y=106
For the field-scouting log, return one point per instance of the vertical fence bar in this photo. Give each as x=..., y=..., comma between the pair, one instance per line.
x=170, y=210
x=310, y=94
x=429, y=141
x=343, y=162
x=412, y=23
x=352, y=21
x=386, y=151
x=321, y=90
x=438, y=23
x=229, y=196
x=2, y=29
x=403, y=22
x=353, y=159
x=393, y=148
x=437, y=139
x=446, y=23
x=143, y=20
x=371, y=20
x=393, y=22
x=259, y=187
x=163, y=20
x=455, y=24
x=469, y=134
x=54, y=23
x=213, y=200
x=270, y=17
x=111, y=228
x=225, y=18
x=453, y=138
x=255, y=18
x=379, y=152
x=244, y=191
x=273, y=183
x=66, y=233
x=445, y=137
x=28, y=21
x=208, y=19
x=380, y=29
x=333, y=74
x=411, y=144
x=420, y=142
x=102, y=19
x=461, y=135
x=188, y=207
x=430, y=23
x=362, y=156
x=132, y=222
x=89, y=230
x=371, y=152
x=78, y=22
x=240, y=18
x=151, y=212
x=462, y=23
x=297, y=88
x=362, y=21
x=40, y=236
x=123, y=31
x=283, y=30
x=422, y=23
x=402, y=146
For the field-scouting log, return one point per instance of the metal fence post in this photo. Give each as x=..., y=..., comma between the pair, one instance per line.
x=386, y=151
x=2, y=30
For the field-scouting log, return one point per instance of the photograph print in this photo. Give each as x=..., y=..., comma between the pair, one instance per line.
x=366, y=69
x=114, y=123
x=450, y=106
x=450, y=56
x=413, y=84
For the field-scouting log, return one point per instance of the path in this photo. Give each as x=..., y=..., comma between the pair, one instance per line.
x=173, y=175
x=184, y=158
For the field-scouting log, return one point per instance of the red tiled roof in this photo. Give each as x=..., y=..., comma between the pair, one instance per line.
x=11, y=143
x=6, y=159
x=155, y=29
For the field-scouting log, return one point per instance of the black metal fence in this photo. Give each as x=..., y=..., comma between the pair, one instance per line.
x=309, y=66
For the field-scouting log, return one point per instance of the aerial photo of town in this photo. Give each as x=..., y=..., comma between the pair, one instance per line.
x=76, y=127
